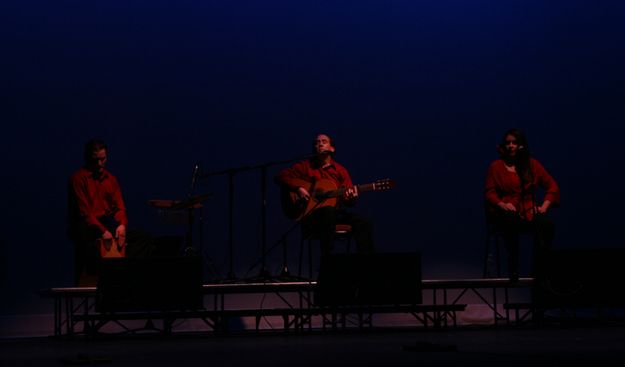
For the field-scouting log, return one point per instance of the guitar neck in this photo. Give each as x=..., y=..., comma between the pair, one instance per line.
x=341, y=190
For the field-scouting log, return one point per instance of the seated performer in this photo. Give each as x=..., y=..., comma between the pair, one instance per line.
x=320, y=217
x=511, y=201
x=96, y=211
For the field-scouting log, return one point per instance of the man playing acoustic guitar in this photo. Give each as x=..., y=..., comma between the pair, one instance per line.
x=316, y=192
x=96, y=213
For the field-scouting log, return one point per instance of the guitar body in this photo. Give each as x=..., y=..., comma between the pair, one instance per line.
x=110, y=248
x=296, y=208
x=323, y=193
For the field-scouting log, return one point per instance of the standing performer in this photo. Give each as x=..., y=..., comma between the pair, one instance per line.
x=96, y=210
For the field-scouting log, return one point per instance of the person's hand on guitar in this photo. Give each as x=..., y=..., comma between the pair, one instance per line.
x=351, y=193
x=303, y=193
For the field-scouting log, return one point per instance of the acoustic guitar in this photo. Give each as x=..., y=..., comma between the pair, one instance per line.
x=323, y=193
x=110, y=248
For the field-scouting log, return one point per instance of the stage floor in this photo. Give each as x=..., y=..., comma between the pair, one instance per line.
x=556, y=345
x=591, y=341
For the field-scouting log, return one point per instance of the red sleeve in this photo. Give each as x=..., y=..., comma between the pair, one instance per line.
x=86, y=211
x=490, y=188
x=118, y=202
x=92, y=201
x=546, y=182
x=293, y=177
x=344, y=180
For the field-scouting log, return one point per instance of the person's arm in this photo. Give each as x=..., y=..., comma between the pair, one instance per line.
x=492, y=188
x=549, y=184
x=120, y=214
x=78, y=186
x=491, y=193
x=350, y=196
x=118, y=203
x=294, y=179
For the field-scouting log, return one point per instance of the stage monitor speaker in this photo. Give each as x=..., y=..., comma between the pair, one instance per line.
x=369, y=279
x=150, y=284
x=582, y=278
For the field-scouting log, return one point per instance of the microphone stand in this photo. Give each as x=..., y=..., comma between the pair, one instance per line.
x=263, y=210
x=264, y=274
x=539, y=245
x=191, y=198
x=284, y=272
x=231, y=173
x=190, y=209
x=540, y=250
x=263, y=187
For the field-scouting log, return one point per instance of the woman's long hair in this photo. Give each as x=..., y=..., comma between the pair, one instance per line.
x=522, y=159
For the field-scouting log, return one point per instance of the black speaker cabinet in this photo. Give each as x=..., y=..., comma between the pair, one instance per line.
x=150, y=284
x=369, y=279
x=583, y=278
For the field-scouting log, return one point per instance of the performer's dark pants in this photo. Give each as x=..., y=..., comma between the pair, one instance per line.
x=512, y=226
x=86, y=258
x=322, y=222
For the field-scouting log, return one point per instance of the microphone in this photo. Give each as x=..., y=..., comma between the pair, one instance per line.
x=326, y=152
x=196, y=170
x=522, y=150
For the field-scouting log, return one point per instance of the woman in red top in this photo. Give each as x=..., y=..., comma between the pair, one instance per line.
x=512, y=205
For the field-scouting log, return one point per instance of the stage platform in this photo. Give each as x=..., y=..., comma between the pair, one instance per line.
x=224, y=305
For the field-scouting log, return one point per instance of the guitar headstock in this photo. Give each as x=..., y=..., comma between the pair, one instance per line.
x=384, y=184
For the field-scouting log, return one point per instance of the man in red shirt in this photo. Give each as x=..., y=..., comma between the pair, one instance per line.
x=96, y=210
x=320, y=217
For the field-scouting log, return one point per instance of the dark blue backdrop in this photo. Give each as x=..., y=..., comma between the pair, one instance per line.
x=418, y=91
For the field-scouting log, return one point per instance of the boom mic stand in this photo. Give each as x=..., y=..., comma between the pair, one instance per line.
x=263, y=274
x=284, y=272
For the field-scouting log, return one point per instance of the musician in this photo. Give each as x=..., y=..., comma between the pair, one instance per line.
x=322, y=220
x=512, y=205
x=96, y=210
